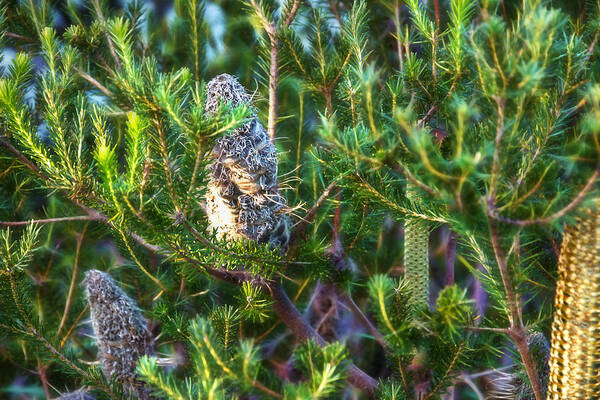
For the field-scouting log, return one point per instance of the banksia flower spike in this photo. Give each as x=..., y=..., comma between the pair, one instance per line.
x=416, y=257
x=575, y=352
x=243, y=199
x=121, y=331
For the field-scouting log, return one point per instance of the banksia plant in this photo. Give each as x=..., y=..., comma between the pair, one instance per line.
x=243, y=199
x=120, y=329
x=575, y=354
x=308, y=199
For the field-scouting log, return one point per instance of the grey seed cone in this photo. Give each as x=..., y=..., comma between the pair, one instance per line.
x=121, y=330
x=243, y=199
x=77, y=395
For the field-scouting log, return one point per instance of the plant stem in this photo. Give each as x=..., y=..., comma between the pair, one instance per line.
x=349, y=301
x=517, y=330
x=50, y=220
x=73, y=279
x=292, y=318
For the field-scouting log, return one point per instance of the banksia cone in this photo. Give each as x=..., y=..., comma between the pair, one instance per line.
x=243, y=200
x=121, y=330
x=77, y=395
x=416, y=257
x=575, y=351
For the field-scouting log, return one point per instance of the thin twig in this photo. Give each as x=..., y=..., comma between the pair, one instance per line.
x=504, y=331
x=4, y=141
x=108, y=39
x=468, y=380
x=94, y=82
x=292, y=14
x=517, y=330
x=274, y=42
x=349, y=301
x=310, y=215
x=51, y=220
x=20, y=37
x=560, y=213
x=73, y=280
x=427, y=117
x=41, y=369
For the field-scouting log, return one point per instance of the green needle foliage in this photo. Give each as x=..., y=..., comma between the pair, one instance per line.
x=418, y=160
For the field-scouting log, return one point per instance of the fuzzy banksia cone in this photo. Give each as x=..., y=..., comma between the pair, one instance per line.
x=121, y=331
x=243, y=199
x=575, y=350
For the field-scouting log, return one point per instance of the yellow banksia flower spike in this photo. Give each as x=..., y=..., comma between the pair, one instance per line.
x=575, y=352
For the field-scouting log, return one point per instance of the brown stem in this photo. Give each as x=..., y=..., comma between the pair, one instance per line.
x=41, y=369
x=486, y=329
x=292, y=14
x=432, y=110
x=50, y=220
x=349, y=301
x=310, y=215
x=4, y=141
x=73, y=279
x=20, y=37
x=94, y=82
x=273, y=33
x=108, y=39
x=265, y=389
x=517, y=330
x=292, y=318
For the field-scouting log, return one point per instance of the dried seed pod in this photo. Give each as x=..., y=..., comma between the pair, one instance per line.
x=243, y=199
x=121, y=331
x=575, y=350
x=77, y=395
